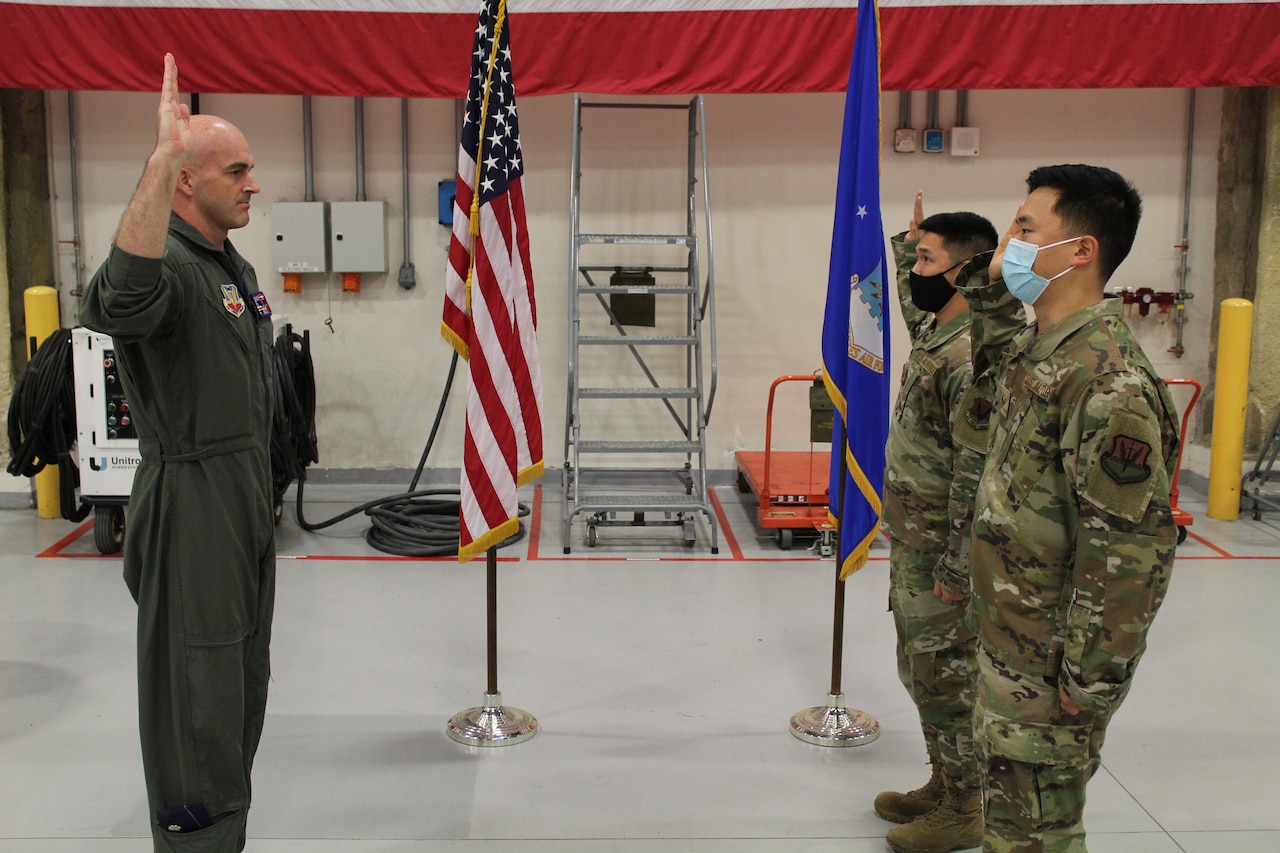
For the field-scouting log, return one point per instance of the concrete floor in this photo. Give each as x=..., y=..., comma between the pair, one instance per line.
x=663, y=679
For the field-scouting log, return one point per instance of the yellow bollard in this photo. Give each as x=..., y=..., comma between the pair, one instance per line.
x=41, y=306
x=1231, y=395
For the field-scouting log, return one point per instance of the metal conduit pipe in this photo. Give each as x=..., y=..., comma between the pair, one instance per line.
x=1183, y=295
x=406, y=278
x=75, y=194
x=308, y=168
x=359, y=149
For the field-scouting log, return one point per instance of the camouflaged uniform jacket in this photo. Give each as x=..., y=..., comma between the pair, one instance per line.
x=1073, y=534
x=930, y=476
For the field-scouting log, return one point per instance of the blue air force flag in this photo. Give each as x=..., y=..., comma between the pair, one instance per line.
x=855, y=336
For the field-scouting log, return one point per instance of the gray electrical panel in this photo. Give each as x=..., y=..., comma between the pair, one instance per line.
x=300, y=244
x=358, y=236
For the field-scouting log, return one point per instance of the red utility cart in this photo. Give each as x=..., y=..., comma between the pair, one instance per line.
x=791, y=485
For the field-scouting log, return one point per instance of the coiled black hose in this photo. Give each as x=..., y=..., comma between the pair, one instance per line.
x=42, y=421
x=415, y=523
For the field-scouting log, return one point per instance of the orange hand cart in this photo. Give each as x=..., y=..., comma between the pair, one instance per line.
x=792, y=486
x=1181, y=517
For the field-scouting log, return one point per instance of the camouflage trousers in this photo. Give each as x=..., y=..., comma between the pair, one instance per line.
x=935, y=662
x=1037, y=760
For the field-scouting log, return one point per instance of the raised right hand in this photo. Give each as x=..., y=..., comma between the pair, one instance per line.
x=917, y=216
x=174, y=139
x=998, y=258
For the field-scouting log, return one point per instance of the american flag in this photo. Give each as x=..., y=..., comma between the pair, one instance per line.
x=489, y=312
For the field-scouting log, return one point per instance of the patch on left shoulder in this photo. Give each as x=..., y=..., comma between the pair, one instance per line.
x=1126, y=461
x=1127, y=465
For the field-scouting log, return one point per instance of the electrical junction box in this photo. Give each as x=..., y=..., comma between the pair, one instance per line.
x=932, y=141
x=301, y=242
x=964, y=141
x=904, y=140
x=448, y=192
x=105, y=438
x=358, y=236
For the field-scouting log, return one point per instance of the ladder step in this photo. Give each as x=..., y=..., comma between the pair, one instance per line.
x=640, y=239
x=657, y=288
x=616, y=268
x=640, y=340
x=639, y=447
x=679, y=500
x=642, y=392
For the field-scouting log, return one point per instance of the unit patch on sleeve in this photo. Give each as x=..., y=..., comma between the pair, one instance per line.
x=1126, y=461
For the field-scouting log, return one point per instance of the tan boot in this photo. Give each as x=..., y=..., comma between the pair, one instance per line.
x=956, y=824
x=904, y=808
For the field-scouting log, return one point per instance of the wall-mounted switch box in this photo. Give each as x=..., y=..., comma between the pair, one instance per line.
x=964, y=141
x=904, y=140
x=932, y=141
x=448, y=190
x=358, y=236
x=300, y=241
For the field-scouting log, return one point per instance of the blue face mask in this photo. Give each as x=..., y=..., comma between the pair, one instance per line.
x=1019, y=258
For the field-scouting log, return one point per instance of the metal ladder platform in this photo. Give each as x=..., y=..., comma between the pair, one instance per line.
x=619, y=380
x=1256, y=482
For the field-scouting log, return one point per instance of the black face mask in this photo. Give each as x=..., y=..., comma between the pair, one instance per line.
x=931, y=292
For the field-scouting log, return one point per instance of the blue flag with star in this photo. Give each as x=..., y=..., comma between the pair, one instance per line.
x=855, y=331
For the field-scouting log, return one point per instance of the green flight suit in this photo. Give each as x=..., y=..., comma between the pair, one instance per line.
x=199, y=556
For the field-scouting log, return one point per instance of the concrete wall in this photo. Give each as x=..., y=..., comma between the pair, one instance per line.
x=381, y=369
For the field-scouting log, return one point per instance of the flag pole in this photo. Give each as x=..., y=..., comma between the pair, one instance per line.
x=833, y=724
x=492, y=723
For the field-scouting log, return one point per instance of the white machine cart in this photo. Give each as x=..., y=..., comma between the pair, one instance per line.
x=108, y=444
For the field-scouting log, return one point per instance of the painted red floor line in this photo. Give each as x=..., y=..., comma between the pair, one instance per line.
x=730, y=541
x=55, y=550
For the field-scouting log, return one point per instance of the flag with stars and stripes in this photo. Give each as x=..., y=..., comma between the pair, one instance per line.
x=855, y=334
x=490, y=316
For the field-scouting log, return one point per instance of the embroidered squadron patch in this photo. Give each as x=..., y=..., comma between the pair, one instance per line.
x=1126, y=462
x=231, y=299
x=979, y=414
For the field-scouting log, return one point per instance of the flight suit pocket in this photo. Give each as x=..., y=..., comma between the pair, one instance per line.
x=215, y=693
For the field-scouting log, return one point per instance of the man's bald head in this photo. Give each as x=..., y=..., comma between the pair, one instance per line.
x=212, y=135
x=215, y=186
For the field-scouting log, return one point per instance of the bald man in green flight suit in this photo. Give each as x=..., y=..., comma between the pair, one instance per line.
x=192, y=334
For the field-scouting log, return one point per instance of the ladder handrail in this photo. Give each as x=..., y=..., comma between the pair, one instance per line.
x=709, y=295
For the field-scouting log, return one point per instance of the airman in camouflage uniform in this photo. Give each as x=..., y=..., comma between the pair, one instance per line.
x=1073, y=534
x=932, y=461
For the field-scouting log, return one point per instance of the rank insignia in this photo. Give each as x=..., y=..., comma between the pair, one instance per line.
x=1126, y=462
x=231, y=299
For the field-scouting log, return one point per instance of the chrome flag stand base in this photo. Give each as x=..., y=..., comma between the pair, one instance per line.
x=834, y=725
x=491, y=724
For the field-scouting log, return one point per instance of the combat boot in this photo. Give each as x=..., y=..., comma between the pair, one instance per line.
x=956, y=824
x=904, y=808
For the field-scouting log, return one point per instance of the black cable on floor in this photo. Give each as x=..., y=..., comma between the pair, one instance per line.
x=416, y=523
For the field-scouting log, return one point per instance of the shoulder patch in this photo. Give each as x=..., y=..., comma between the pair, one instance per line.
x=978, y=414
x=1126, y=461
x=1123, y=470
